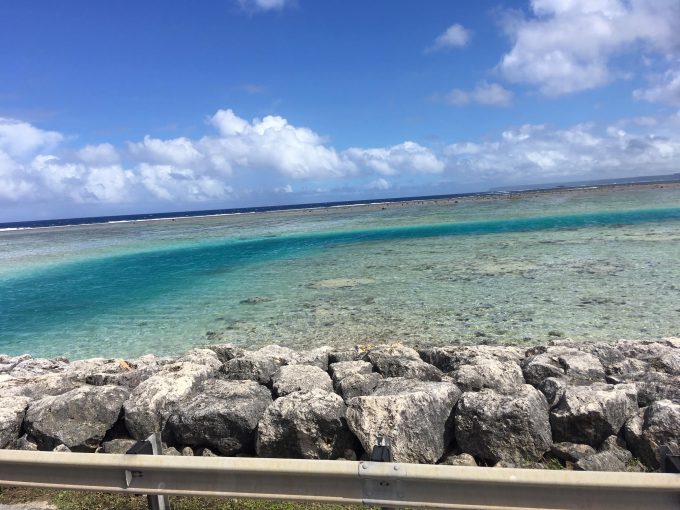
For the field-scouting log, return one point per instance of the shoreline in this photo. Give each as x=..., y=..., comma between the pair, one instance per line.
x=365, y=207
x=565, y=404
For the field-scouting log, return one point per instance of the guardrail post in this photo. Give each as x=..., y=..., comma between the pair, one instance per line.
x=150, y=446
x=382, y=452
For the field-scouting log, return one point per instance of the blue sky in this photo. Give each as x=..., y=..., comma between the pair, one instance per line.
x=165, y=105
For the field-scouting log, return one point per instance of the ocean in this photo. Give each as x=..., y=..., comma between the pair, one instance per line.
x=520, y=268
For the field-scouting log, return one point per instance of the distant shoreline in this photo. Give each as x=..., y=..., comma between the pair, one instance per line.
x=359, y=205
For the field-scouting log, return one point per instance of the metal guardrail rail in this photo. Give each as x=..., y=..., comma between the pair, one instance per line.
x=369, y=483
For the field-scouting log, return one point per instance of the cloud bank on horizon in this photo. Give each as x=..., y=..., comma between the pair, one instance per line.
x=556, y=49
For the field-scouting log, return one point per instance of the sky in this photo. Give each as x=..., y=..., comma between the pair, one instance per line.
x=162, y=105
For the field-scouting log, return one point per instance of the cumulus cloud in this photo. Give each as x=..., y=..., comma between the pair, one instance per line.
x=535, y=153
x=567, y=46
x=490, y=94
x=404, y=157
x=456, y=36
x=19, y=139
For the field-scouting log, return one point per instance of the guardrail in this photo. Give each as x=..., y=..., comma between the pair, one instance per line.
x=368, y=483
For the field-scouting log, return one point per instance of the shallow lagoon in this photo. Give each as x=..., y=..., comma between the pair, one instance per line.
x=523, y=268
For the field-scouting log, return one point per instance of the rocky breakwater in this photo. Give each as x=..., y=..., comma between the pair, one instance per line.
x=580, y=405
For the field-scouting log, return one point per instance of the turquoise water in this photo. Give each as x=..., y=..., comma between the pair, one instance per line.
x=597, y=264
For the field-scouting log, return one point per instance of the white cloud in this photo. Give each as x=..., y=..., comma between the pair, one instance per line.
x=534, y=153
x=18, y=139
x=380, y=184
x=102, y=154
x=490, y=94
x=263, y=5
x=567, y=46
x=404, y=157
x=456, y=36
x=178, y=151
x=666, y=90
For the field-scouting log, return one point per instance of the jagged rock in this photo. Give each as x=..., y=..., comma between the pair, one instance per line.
x=448, y=359
x=291, y=378
x=358, y=385
x=488, y=372
x=571, y=452
x=223, y=416
x=653, y=386
x=207, y=452
x=415, y=415
x=590, y=414
x=12, y=411
x=62, y=449
x=259, y=365
x=315, y=357
x=153, y=401
x=342, y=369
x=354, y=378
x=651, y=427
x=22, y=443
x=496, y=427
x=172, y=452
x=611, y=457
x=399, y=361
x=205, y=357
x=119, y=446
x=462, y=459
x=553, y=389
x=78, y=419
x=226, y=352
x=187, y=452
x=37, y=387
x=309, y=425
x=354, y=354
x=661, y=356
x=576, y=367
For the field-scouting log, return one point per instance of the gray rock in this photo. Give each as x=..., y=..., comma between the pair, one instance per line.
x=223, y=417
x=576, y=367
x=653, y=386
x=661, y=356
x=153, y=401
x=611, y=457
x=462, y=459
x=205, y=357
x=488, y=372
x=651, y=427
x=258, y=365
x=590, y=414
x=571, y=452
x=496, y=427
x=23, y=443
x=207, y=452
x=119, y=446
x=448, y=359
x=347, y=355
x=37, y=387
x=187, y=452
x=343, y=369
x=553, y=389
x=78, y=419
x=358, y=385
x=399, y=361
x=226, y=352
x=309, y=425
x=172, y=452
x=12, y=411
x=315, y=357
x=415, y=415
x=291, y=378
x=62, y=449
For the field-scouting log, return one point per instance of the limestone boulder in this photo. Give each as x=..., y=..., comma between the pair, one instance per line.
x=258, y=365
x=448, y=359
x=400, y=361
x=510, y=428
x=12, y=411
x=354, y=378
x=575, y=366
x=223, y=416
x=416, y=415
x=656, y=425
x=152, y=402
x=307, y=425
x=590, y=414
x=291, y=378
x=488, y=372
x=78, y=419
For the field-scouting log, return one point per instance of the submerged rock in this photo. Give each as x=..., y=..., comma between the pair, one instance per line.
x=415, y=415
x=590, y=414
x=223, y=417
x=78, y=419
x=307, y=425
x=510, y=428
